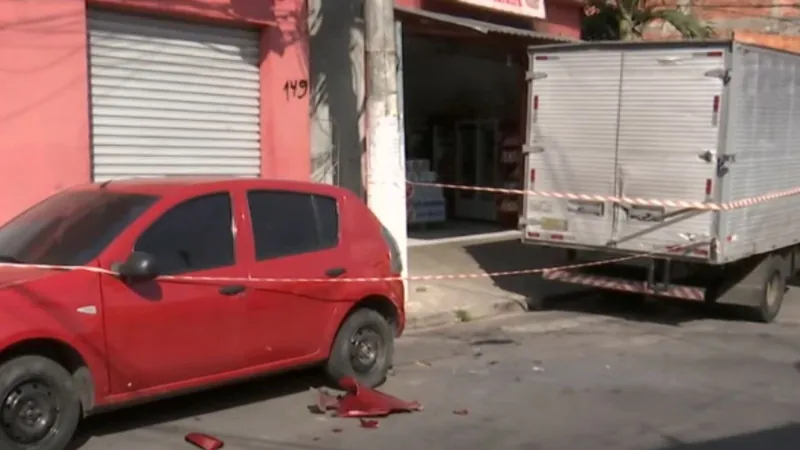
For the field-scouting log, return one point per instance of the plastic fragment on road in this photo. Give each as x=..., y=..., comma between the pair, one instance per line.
x=369, y=423
x=204, y=441
x=325, y=401
x=360, y=401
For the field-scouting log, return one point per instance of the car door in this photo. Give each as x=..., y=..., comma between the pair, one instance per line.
x=161, y=332
x=296, y=235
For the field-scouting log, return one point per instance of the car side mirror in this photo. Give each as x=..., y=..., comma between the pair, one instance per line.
x=139, y=266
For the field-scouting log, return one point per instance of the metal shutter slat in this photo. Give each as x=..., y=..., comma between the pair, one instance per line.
x=172, y=98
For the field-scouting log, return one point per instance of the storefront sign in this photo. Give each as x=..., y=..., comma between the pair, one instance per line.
x=528, y=8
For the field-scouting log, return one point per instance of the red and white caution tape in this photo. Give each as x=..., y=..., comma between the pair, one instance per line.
x=437, y=277
x=737, y=204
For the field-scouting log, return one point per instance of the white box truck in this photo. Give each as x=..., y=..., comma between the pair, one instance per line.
x=697, y=122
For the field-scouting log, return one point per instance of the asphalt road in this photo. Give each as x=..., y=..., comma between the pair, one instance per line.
x=597, y=373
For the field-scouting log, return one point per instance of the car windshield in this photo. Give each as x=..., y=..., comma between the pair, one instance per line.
x=70, y=228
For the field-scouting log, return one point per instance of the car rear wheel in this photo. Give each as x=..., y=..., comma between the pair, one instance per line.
x=40, y=407
x=363, y=349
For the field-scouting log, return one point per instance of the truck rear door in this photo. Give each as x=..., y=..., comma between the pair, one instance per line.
x=572, y=144
x=668, y=134
x=632, y=122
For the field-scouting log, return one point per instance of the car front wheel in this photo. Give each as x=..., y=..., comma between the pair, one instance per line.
x=40, y=407
x=363, y=349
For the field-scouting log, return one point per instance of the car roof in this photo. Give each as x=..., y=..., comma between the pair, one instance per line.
x=177, y=185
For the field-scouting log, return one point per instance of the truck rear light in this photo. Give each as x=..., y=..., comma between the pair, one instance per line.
x=709, y=186
x=715, y=111
x=541, y=58
x=711, y=54
x=532, y=177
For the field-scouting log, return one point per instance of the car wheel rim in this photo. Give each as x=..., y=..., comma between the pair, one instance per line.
x=365, y=347
x=29, y=412
x=773, y=291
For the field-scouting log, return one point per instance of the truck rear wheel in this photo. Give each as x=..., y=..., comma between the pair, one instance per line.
x=772, y=292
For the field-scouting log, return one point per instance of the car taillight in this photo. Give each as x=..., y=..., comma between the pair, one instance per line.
x=394, y=251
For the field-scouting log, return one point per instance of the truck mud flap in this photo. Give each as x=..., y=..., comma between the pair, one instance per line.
x=622, y=285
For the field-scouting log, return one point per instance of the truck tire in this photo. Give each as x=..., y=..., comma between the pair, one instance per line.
x=363, y=349
x=772, y=292
x=40, y=407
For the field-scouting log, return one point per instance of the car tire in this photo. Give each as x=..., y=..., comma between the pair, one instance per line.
x=40, y=407
x=363, y=349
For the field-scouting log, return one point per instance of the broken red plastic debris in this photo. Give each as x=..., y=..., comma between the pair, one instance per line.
x=368, y=423
x=460, y=412
x=204, y=441
x=361, y=401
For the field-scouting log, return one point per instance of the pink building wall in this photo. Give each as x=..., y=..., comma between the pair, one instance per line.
x=563, y=19
x=44, y=87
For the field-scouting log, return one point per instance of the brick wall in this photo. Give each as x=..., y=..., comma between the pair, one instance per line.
x=770, y=16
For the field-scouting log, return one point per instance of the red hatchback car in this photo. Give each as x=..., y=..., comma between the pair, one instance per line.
x=76, y=342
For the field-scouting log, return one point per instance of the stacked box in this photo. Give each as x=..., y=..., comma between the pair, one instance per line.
x=426, y=204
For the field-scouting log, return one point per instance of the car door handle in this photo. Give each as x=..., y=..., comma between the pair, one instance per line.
x=231, y=289
x=335, y=272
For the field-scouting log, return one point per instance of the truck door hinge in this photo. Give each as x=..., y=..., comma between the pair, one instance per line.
x=527, y=149
x=707, y=156
x=722, y=163
x=532, y=76
x=722, y=74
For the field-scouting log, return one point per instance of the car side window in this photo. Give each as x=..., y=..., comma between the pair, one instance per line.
x=291, y=223
x=194, y=235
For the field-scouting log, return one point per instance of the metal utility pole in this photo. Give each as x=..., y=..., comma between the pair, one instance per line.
x=386, y=171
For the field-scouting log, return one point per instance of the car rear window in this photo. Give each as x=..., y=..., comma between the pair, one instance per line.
x=292, y=223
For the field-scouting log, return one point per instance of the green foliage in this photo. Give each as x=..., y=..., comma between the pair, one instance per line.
x=627, y=20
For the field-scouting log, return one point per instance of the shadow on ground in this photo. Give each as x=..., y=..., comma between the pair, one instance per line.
x=540, y=294
x=198, y=404
x=780, y=438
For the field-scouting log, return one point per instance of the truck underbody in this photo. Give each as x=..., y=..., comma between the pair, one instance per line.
x=756, y=284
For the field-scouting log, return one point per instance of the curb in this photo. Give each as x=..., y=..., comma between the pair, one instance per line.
x=468, y=314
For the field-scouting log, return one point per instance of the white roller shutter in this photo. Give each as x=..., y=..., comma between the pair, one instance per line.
x=172, y=98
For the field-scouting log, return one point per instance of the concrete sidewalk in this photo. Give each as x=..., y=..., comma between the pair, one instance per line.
x=432, y=303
